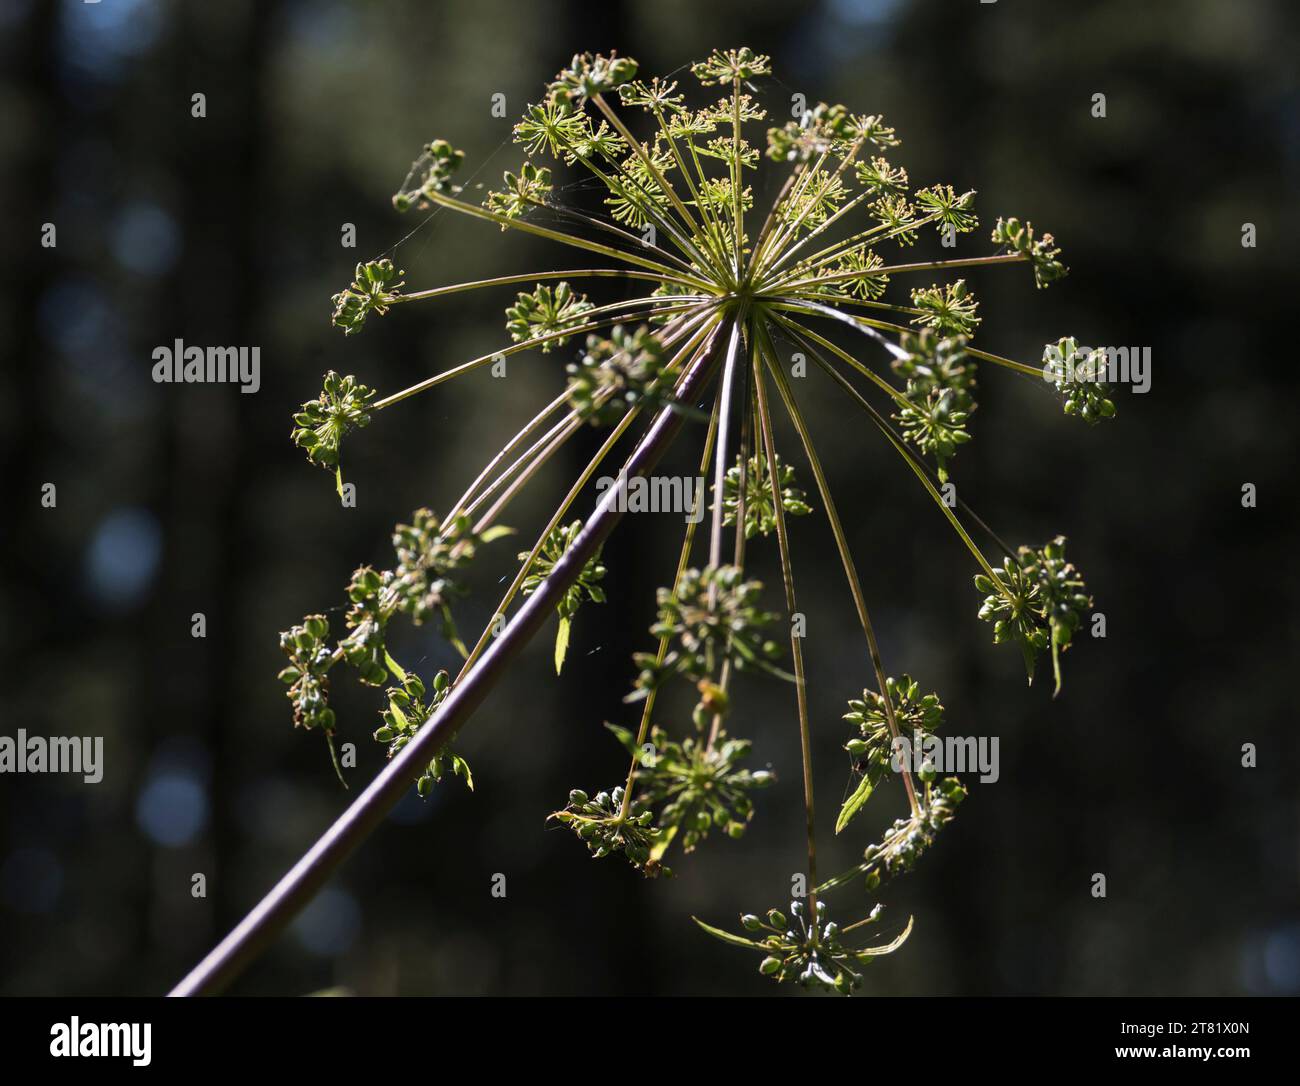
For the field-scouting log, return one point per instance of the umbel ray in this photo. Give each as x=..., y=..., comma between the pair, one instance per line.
x=721, y=295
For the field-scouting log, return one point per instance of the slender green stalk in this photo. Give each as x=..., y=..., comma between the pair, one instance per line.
x=532, y=277
x=571, y=240
x=538, y=341
x=796, y=642
x=842, y=545
x=692, y=350
x=683, y=560
x=920, y=474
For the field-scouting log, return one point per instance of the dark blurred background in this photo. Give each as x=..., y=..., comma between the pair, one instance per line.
x=181, y=499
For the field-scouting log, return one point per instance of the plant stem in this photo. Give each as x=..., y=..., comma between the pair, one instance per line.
x=507, y=450
x=802, y=336
x=683, y=561
x=916, y=467
x=720, y=451
x=531, y=277
x=925, y=265
x=665, y=186
x=557, y=235
x=846, y=556
x=532, y=461
x=738, y=551
x=585, y=477
x=796, y=642
x=672, y=331
x=695, y=304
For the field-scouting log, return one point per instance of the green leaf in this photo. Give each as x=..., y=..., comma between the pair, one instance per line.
x=461, y=768
x=398, y=671
x=854, y=803
x=496, y=532
x=661, y=846
x=887, y=948
x=626, y=738
x=727, y=937
x=562, y=643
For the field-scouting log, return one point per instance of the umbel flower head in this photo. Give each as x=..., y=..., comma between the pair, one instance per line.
x=880, y=716
x=1043, y=605
x=1078, y=378
x=376, y=286
x=711, y=615
x=609, y=825
x=701, y=786
x=309, y=660
x=616, y=373
x=757, y=499
x=545, y=314
x=807, y=948
x=702, y=300
x=344, y=404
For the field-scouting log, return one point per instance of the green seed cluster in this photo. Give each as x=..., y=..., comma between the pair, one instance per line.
x=1082, y=390
x=523, y=191
x=1044, y=602
x=939, y=391
x=310, y=657
x=912, y=712
x=731, y=627
x=871, y=749
x=908, y=838
x=587, y=584
x=431, y=557
x=950, y=308
x=601, y=823
x=808, y=950
x=760, y=510
x=729, y=65
x=546, y=312
x=934, y=423
x=951, y=210
x=869, y=283
x=617, y=373
x=406, y=714
x=1040, y=252
x=701, y=787
x=430, y=173
x=367, y=618
x=588, y=75
x=826, y=129
x=344, y=404
x=373, y=290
